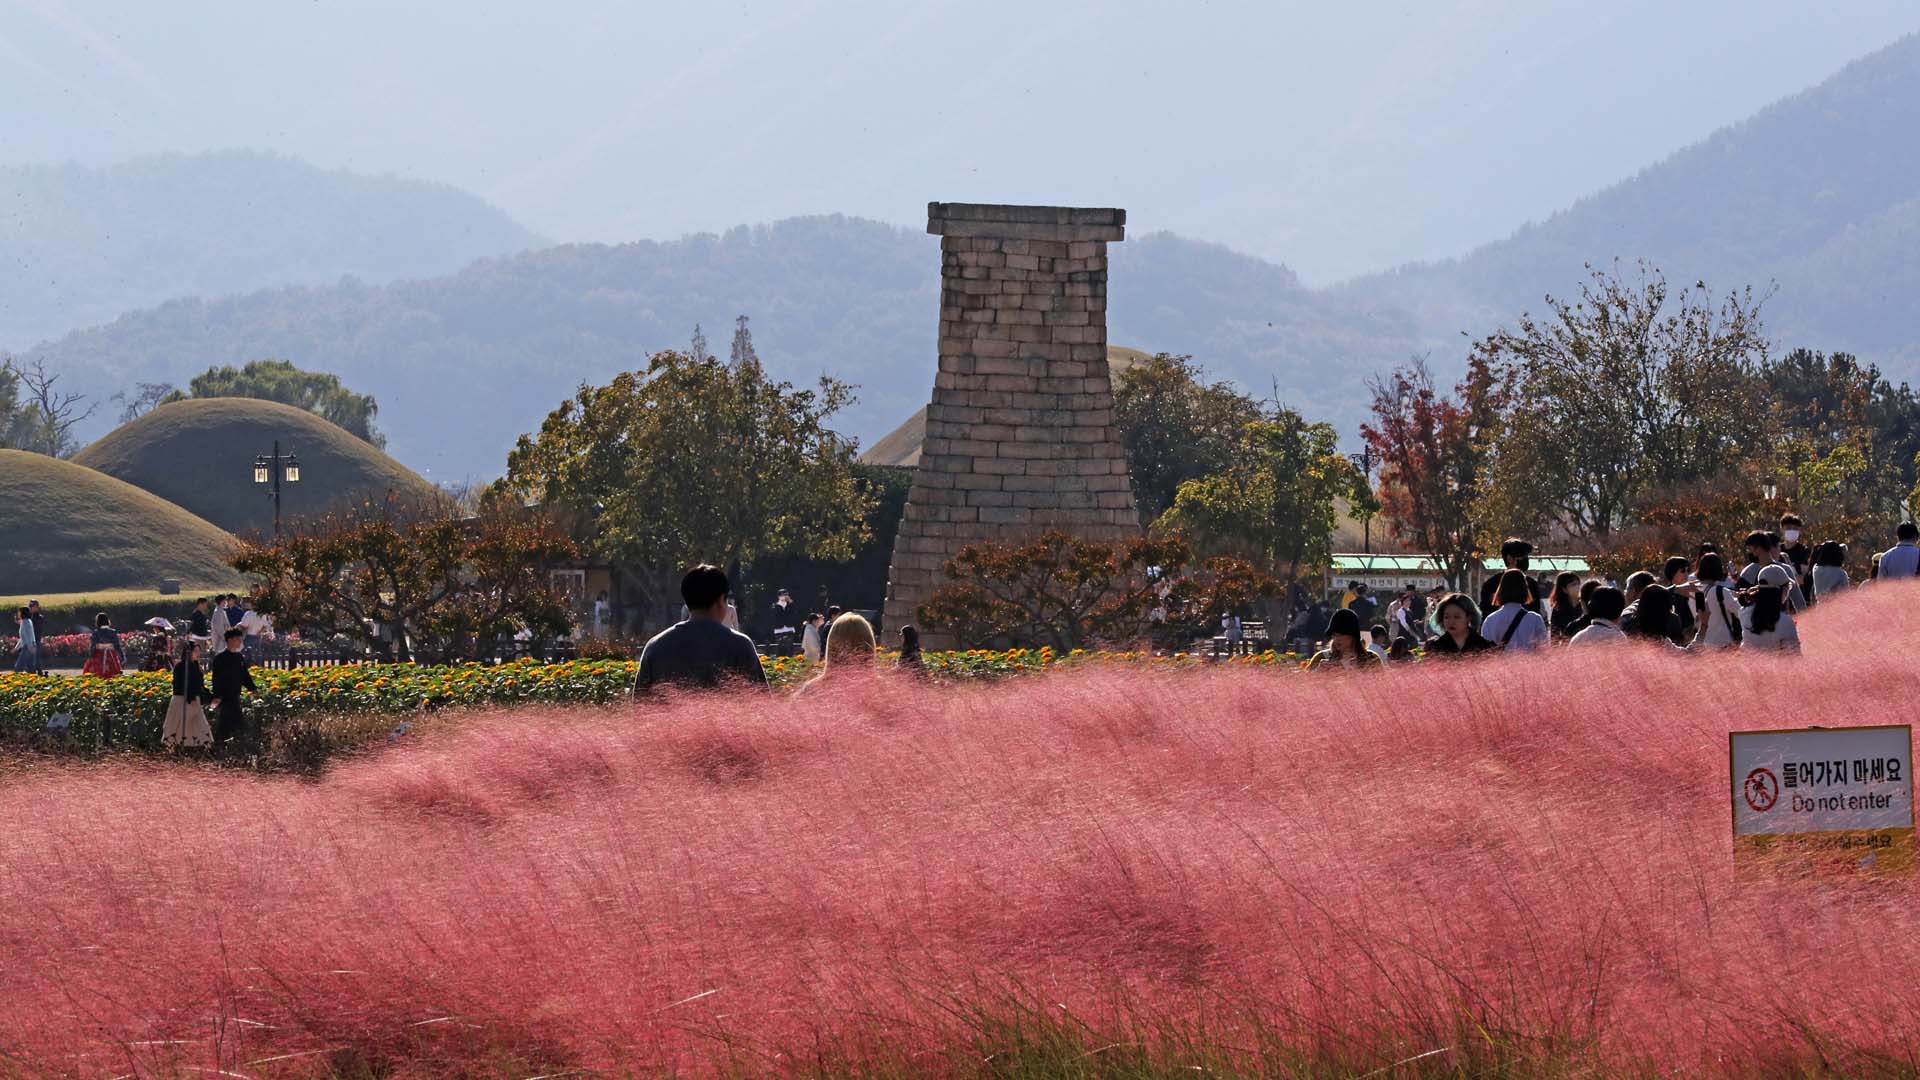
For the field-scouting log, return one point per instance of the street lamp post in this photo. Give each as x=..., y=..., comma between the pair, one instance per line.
x=1365, y=460
x=271, y=469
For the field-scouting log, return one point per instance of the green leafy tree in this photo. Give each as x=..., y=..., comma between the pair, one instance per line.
x=278, y=380
x=1632, y=389
x=444, y=586
x=1847, y=439
x=691, y=461
x=1176, y=426
x=1277, y=501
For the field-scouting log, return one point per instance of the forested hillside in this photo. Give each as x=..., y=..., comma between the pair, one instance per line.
x=80, y=246
x=1819, y=193
x=463, y=364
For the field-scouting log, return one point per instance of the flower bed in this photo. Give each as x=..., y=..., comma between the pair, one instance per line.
x=129, y=709
x=75, y=647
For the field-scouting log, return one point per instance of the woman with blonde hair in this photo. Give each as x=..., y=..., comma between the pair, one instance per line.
x=851, y=649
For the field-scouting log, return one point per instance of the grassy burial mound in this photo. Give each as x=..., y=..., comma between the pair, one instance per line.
x=69, y=528
x=200, y=454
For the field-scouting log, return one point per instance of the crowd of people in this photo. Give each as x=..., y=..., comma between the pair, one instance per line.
x=1695, y=603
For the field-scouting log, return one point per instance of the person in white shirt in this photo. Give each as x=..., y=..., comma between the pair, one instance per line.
x=1603, y=614
x=1902, y=560
x=1767, y=625
x=1513, y=627
x=812, y=643
x=1377, y=642
x=1719, y=626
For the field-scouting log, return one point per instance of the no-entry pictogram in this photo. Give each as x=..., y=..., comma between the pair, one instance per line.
x=1762, y=790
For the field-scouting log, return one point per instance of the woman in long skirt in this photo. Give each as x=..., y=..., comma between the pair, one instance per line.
x=106, y=661
x=186, y=723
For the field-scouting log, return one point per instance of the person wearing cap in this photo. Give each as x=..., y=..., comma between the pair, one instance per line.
x=1346, y=646
x=786, y=623
x=1767, y=621
x=1902, y=560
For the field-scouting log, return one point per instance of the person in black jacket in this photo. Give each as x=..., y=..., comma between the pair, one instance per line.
x=230, y=677
x=1516, y=554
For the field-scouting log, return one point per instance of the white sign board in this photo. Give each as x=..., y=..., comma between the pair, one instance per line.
x=1842, y=797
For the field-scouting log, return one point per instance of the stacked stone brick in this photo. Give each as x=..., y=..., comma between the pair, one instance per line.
x=1020, y=430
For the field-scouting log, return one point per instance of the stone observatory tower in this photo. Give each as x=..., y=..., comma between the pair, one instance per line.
x=1020, y=429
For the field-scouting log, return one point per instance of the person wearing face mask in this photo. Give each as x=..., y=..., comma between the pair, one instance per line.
x=1792, y=548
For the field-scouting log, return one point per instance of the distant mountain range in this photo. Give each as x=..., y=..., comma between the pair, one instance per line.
x=463, y=364
x=81, y=245
x=1819, y=193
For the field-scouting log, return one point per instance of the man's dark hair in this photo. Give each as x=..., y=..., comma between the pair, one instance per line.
x=1761, y=538
x=1378, y=630
x=201, y=600
x=236, y=632
x=1790, y=521
x=1588, y=588
x=25, y=612
x=1607, y=603
x=1515, y=550
x=1907, y=531
x=704, y=586
x=1830, y=553
x=1713, y=568
x=1677, y=564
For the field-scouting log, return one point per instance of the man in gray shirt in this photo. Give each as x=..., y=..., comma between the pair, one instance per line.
x=701, y=652
x=1902, y=560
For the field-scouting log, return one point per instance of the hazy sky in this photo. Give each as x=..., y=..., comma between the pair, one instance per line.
x=1335, y=137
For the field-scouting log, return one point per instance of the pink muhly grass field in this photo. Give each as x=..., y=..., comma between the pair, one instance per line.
x=1513, y=865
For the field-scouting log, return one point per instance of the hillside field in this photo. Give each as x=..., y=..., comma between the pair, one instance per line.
x=1448, y=870
x=199, y=455
x=69, y=529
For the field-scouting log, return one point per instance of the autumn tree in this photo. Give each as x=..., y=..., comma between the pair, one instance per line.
x=1176, y=426
x=442, y=586
x=1434, y=455
x=691, y=461
x=1277, y=499
x=1069, y=592
x=1635, y=387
